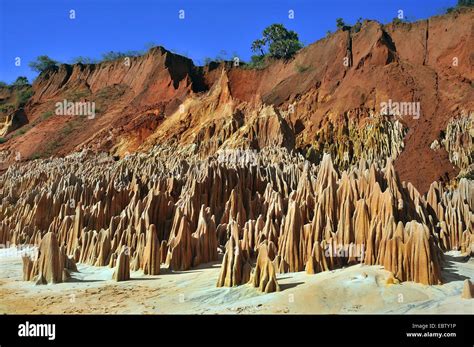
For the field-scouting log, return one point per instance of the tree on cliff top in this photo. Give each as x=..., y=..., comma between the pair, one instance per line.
x=340, y=23
x=42, y=63
x=21, y=81
x=460, y=4
x=465, y=3
x=277, y=42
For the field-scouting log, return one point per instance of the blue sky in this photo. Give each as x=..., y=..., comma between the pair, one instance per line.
x=29, y=28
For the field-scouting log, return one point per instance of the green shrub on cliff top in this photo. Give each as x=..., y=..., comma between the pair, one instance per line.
x=43, y=63
x=277, y=42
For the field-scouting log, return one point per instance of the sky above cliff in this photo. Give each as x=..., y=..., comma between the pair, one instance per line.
x=210, y=28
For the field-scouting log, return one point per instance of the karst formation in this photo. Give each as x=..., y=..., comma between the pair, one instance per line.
x=268, y=212
x=288, y=168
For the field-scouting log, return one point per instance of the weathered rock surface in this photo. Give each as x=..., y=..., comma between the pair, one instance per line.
x=180, y=255
x=163, y=98
x=52, y=264
x=458, y=140
x=171, y=206
x=122, y=270
x=204, y=239
x=264, y=275
x=467, y=290
x=152, y=255
x=235, y=265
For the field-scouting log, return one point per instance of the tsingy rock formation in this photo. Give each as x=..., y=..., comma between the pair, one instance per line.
x=52, y=264
x=264, y=275
x=467, y=290
x=122, y=270
x=310, y=216
x=152, y=255
x=235, y=265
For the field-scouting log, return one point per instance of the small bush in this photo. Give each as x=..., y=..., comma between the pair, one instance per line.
x=460, y=4
x=302, y=68
x=357, y=26
x=112, y=55
x=3, y=140
x=46, y=115
x=68, y=129
x=83, y=60
x=397, y=20
x=7, y=107
x=20, y=132
x=465, y=3
x=43, y=63
x=21, y=81
x=340, y=23
x=76, y=95
x=35, y=155
x=257, y=62
x=24, y=96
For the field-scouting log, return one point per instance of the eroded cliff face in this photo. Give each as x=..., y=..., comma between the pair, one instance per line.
x=12, y=115
x=337, y=82
x=458, y=140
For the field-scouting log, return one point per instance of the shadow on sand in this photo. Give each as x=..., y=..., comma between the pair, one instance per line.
x=286, y=286
x=449, y=272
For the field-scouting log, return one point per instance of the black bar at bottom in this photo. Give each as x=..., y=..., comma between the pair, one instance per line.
x=247, y=329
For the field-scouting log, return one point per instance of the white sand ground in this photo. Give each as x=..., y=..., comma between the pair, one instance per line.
x=352, y=290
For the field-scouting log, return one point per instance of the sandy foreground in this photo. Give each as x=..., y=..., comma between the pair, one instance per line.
x=355, y=289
